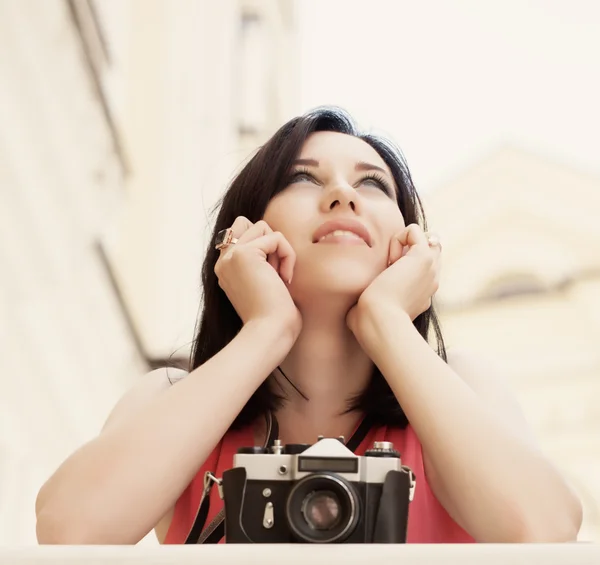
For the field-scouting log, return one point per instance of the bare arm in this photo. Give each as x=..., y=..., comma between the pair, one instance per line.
x=117, y=487
x=481, y=461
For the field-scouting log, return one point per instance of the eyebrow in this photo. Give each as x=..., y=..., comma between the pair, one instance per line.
x=364, y=166
x=360, y=166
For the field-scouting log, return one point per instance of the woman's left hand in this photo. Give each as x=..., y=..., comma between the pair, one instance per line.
x=409, y=282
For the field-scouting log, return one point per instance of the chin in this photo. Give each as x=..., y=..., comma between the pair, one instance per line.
x=346, y=279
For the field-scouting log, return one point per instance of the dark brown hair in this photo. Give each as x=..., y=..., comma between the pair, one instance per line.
x=261, y=179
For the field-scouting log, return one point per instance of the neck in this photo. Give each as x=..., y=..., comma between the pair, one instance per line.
x=329, y=368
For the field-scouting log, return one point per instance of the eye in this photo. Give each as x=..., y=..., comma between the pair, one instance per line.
x=301, y=175
x=379, y=182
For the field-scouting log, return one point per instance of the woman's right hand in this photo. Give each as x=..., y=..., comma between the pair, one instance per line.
x=255, y=273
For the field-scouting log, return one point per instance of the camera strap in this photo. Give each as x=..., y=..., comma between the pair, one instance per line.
x=216, y=529
x=360, y=434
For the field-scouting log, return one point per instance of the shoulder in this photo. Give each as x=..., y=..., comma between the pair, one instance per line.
x=145, y=390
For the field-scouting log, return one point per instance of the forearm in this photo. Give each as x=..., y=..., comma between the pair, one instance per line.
x=493, y=481
x=116, y=488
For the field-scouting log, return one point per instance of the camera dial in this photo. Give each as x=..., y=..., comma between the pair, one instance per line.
x=382, y=449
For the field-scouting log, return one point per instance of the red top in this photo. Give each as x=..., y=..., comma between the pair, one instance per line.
x=428, y=522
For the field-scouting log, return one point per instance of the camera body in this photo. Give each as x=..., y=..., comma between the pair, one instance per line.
x=317, y=494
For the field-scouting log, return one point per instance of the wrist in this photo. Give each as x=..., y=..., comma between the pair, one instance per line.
x=377, y=322
x=274, y=337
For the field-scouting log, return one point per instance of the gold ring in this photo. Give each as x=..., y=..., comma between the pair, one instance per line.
x=224, y=239
x=433, y=239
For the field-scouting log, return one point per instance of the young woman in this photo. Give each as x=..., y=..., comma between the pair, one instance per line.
x=317, y=313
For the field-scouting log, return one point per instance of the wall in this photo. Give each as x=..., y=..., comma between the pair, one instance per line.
x=521, y=286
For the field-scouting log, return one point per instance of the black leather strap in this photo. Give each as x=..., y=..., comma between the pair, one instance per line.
x=200, y=520
x=360, y=434
x=202, y=514
x=217, y=534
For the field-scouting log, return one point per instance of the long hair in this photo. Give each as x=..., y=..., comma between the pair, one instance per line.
x=248, y=195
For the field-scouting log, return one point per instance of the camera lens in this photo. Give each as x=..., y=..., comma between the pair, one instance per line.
x=322, y=508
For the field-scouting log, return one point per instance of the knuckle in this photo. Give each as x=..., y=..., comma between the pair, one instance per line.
x=263, y=224
x=232, y=255
x=223, y=262
x=241, y=223
x=284, y=239
x=279, y=237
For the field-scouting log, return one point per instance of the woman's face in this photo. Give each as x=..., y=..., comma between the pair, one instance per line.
x=339, y=213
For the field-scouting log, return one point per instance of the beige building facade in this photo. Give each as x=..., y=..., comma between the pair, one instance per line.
x=521, y=286
x=121, y=121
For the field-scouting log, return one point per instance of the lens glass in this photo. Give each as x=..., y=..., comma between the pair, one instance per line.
x=321, y=510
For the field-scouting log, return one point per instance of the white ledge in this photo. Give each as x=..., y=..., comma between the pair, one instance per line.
x=484, y=554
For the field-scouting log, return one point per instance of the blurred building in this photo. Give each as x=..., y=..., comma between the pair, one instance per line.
x=521, y=284
x=120, y=122
x=202, y=85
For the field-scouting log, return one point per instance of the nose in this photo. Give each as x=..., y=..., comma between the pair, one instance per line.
x=341, y=196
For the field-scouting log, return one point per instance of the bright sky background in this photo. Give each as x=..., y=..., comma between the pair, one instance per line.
x=450, y=80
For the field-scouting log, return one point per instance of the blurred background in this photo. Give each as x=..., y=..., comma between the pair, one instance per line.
x=121, y=122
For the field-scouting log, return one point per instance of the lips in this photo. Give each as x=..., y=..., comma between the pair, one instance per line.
x=348, y=225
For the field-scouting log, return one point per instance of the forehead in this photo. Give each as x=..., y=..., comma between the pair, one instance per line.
x=335, y=148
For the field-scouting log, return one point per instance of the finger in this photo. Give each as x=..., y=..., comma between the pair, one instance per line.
x=273, y=260
x=414, y=241
x=395, y=251
x=276, y=244
x=404, y=241
x=413, y=235
x=255, y=231
x=240, y=226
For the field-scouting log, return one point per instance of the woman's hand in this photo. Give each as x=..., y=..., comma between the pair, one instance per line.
x=254, y=273
x=409, y=282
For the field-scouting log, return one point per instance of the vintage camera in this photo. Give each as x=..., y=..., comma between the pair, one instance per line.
x=317, y=494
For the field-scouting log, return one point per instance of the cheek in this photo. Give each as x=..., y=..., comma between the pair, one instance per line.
x=391, y=223
x=275, y=214
x=279, y=218
x=292, y=201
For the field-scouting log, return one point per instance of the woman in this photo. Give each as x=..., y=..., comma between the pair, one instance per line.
x=317, y=309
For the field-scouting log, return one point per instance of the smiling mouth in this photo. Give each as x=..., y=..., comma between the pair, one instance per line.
x=343, y=235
